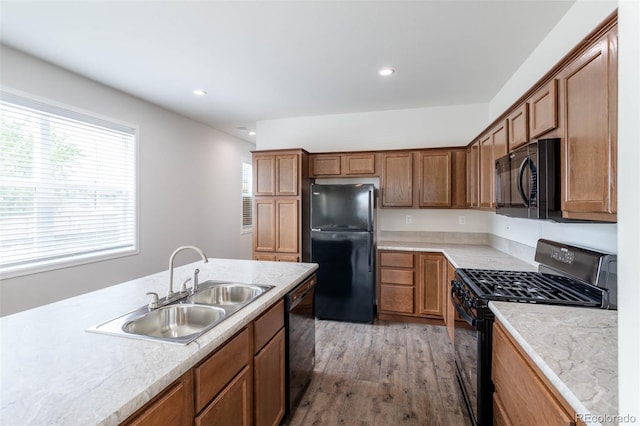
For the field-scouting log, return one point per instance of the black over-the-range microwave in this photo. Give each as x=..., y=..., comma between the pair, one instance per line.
x=528, y=181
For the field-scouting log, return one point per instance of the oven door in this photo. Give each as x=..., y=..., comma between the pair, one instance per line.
x=472, y=345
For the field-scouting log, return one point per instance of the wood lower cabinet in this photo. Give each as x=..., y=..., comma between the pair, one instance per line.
x=411, y=286
x=232, y=406
x=278, y=212
x=450, y=312
x=522, y=395
x=269, y=367
x=431, y=281
x=589, y=146
x=173, y=407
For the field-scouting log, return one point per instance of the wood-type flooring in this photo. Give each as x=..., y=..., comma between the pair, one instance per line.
x=385, y=373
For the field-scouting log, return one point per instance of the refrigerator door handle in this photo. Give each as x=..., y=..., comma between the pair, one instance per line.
x=370, y=210
x=370, y=252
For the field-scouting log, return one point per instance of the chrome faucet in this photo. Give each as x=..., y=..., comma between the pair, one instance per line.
x=171, y=259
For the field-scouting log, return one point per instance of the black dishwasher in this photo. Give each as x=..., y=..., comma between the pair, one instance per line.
x=300, y=341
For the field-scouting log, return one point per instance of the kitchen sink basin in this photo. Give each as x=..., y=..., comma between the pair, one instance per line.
x=187, y=318
x=175, y=321
x=215, y=293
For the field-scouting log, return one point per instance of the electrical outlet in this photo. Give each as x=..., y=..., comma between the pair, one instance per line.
x=408, y=219
x=462, y=220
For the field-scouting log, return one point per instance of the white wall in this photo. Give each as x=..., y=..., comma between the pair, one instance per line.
x=629, y=208
x=189, y=185
x=406, y=128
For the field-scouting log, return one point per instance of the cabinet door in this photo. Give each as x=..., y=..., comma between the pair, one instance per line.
x=287, y=174
x=473, y=175
x=486, y=172
x=269, y=382
x=325, y=165
x=543, y=110
x=233, y=406
x=359, y=164
x=458, y=179
x=396, y=299
x=173, y=407
x=450, y=314
x=590, y=143
x=397, y=179
x=434, y=182
x=519, y=127
x=264, y=224
x=264, y=174
x=287, y=225
x=520, y=391
x=430, y=285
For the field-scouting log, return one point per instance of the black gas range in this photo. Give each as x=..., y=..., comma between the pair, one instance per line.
x=567, y=275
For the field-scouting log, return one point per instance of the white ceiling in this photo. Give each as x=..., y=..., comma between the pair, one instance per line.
x=275, y=59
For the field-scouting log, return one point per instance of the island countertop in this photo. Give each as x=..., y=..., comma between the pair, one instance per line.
x=55, y=372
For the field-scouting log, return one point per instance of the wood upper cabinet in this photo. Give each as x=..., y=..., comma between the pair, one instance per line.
x=343, y=164
x=174, y=406
x=432, y=274
x=492, y=146
x=473, y=175
x=589, y=144
x=486, y=172
x=397, y=179
x=276, y=173
x=325, y=164
x=434, y=182
x=519, y=126
x=522, y=396
x=458, y=179
x=543, y=110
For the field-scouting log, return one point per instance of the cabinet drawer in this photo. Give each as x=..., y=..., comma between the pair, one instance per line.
x=396, y=276
x=398, y=260
x=397, y=299
x=217, y=370
x=268, y=325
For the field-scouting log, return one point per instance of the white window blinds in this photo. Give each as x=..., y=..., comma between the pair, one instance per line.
x=247, y=197
x=68, y=187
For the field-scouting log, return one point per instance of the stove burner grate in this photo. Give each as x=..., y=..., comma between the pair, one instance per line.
x=532, y=287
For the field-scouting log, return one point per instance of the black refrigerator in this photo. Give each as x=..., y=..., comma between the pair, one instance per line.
x=342, y=243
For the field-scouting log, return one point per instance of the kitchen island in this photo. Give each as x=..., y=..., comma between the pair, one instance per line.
x=55, y=372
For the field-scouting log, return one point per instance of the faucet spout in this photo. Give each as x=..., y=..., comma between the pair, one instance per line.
x=172, y=258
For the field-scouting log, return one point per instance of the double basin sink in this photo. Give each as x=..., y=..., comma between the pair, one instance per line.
x=187, y=318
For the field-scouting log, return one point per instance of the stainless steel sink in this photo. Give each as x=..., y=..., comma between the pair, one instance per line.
x=185, y=319
x=175, y=321
x=214, y=293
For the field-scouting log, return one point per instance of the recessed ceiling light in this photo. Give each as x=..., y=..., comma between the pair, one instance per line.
x=252, y=133
x=242, y=129
x=385, y=72
x=199, y=92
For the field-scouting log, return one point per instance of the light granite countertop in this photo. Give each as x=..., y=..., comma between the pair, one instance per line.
x=575, y=348
x=464, y=255
x=53, y=372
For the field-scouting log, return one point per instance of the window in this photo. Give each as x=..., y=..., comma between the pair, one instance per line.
x=67, y=187
x=247, y=197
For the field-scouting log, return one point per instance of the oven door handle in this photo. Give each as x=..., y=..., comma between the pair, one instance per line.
x=465, y=316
